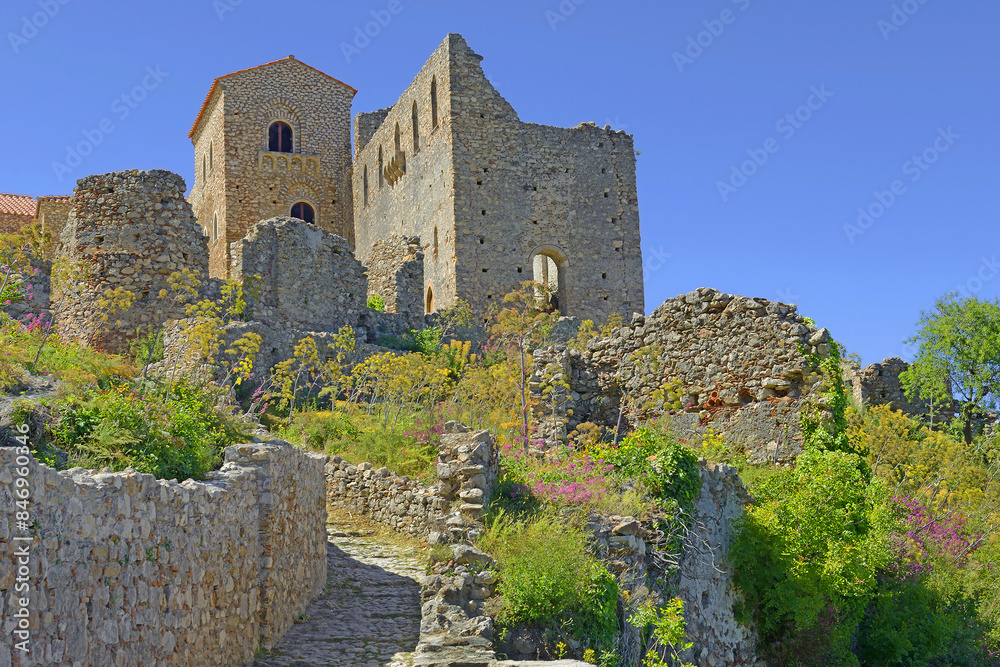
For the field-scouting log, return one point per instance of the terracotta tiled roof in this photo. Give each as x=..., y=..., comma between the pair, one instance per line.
x=215, y=85
x=18, y=205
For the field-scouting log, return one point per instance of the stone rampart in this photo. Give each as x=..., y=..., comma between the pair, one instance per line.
x=738, y=365
x=126, y=569
x=310, y=279
x=128, y=229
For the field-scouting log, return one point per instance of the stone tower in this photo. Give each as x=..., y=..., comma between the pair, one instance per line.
x=128, y=229
x=496, y=201
x=272, y=140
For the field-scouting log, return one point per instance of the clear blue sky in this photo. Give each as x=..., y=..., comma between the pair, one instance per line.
x=923, y=83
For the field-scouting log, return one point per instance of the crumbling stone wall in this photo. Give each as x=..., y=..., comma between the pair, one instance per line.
x=879, y=384
x=128, y=229
x=706, y=579
x=239, y=181
x=492, y=197
x=53, y=213
x=126, y=569
x=467, y=471
x=741, y=366
x=310, y=279
x=396, y=274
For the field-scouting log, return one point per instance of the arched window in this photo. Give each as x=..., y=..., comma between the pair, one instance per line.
x=434, y=102
x=435, y=241
x=397, y=137
x=210, y=158
x=204, y=169
x=366, y=185
x=429, y=306
x=304, y=212
x=381, y=176
x=279, y=137
x=548, y=271
x=416, y=129
x=215, y=226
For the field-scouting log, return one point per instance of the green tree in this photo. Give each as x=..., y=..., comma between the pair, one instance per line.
x=959, y=355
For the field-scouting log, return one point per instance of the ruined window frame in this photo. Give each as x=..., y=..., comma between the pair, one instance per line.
x=307, y=208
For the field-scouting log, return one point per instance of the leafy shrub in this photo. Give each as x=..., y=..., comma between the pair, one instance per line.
x=548, y=578
x=807, y=555
x=173, y=435
x=665, y=466
x=375, y=302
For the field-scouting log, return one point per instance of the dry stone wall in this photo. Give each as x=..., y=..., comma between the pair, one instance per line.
x=467, y=470
x=125, y=569
x=740, y=366
x=128, y=229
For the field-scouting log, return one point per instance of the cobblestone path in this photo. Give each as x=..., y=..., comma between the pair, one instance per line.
x=370, y=615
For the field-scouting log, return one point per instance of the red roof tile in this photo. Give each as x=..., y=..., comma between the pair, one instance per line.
x=18, y=205
x=215, y=84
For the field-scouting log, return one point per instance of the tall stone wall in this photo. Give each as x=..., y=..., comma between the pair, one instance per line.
x=11, y=223
x=310, y=279
x=125, y=569
x=53, y=213
x=740, y=365
x=396, y=274
x=418, y=201
x=239, y=181
x=128, y=229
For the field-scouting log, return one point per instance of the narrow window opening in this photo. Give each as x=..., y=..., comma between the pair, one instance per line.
x=416, y=129
x=204, y=169
x=605, y=194
x=215, y=226
x=434, y=102
x=429, y=302
x=381, y=176
x=482, y=240
x=304, y=212
x=435, y=241
x=396, y=138
x=210, y=158
x=484, y=211
x=365, y=186
x=604, y=276
x=520, y=269
x=485, y=269
x=486, y=170
x=279, y=137
x=603, y=170
x=614, y=220
x=479, y=181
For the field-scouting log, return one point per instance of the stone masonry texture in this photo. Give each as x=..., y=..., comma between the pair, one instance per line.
x=490, y=197
x=239, y=181
x=310, y=279
x=396, y=274
x=129, y=229
x=741, y=366
x=129, y=570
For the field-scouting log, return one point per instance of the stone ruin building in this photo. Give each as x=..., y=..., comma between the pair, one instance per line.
x=489, y=200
